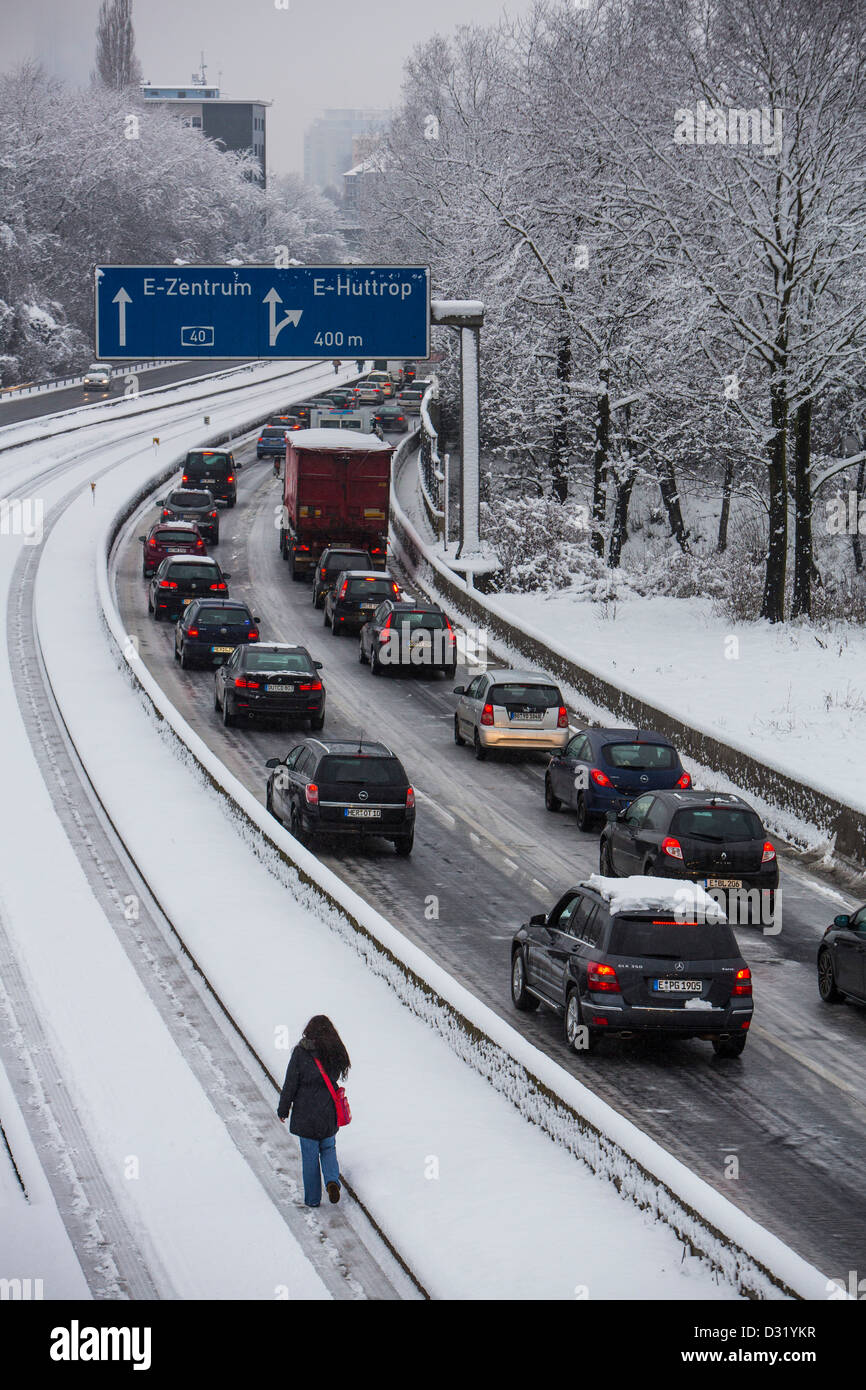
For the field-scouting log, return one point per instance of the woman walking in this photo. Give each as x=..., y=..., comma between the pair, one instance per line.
x=307, y=1095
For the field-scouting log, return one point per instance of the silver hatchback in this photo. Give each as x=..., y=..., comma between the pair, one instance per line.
x=511, y=709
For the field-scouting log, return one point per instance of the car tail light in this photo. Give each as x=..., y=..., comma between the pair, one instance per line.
x=322, y=573
x=684, y=781
x=311, y=685
x=221, y=585
x=410, y=797
x=767, y=852
x=562, y=721
x=167, y=584
x=451, y=637
x=600, y=779
x=230, y=478
x=487, y=714
x=344, y=589
x=152, y=542
x=602, y=978
x=301, y=547
x=252, y=635
x=743, y=982
x=185, y=478
x=382, y=636
x=165, y=513
x=241, y=683
x=192, y=632
x=672, y=847
x=311, y=792
x=745, y=1023
x=214, y=515
x=199, y=545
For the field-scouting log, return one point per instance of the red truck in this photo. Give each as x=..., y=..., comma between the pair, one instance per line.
x=335, y=492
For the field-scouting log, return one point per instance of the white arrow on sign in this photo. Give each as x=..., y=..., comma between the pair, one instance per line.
x=121, y=299
x=272, y=299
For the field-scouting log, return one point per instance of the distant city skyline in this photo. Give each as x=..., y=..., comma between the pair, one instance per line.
x=303, y=59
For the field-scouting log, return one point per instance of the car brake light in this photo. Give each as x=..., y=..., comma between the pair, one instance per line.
x=601, y=779
x=344, y=588
x=152, y=542
x=230, y=478
x=684, y=781
x=240, y=683
x=214, y=514
x=252, y=635
x=185, y=478
x=382, y=637
x=487, y=714
x=199, y=545
x=192, y=632
x=311, y=792
x=602, y=978
x=167, y=584
x=221, y=585
x=322, y=572
x=672, y=847
x=451, y=637
x=410, y=797
x=311, y=685
x=744, y=982
x=165, y=513
x=562, y=721
x=767, y=853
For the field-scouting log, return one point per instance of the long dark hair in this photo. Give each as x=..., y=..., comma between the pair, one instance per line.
x=328, y=1046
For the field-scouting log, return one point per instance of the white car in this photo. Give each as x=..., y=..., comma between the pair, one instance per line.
x=511, y=709
x=97, y=378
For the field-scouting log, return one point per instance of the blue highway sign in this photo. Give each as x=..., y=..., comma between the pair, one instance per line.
x=256, y=311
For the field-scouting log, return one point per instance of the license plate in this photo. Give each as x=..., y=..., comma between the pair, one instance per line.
x=208, y=480
x=280, y=689
x=677, y=986
x=362, y=813
x=526, y=718
x=187, y=600
x=365, y=606
x=222, y=649
x=723, y=883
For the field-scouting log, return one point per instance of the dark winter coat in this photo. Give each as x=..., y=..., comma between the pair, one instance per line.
x=314, y=1115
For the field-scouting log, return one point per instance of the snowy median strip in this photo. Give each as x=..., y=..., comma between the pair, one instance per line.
x=748, y=1257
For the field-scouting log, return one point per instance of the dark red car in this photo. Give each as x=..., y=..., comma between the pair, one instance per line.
x=169, y=538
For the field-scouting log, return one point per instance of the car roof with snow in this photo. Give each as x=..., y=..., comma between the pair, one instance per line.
x=640, y=893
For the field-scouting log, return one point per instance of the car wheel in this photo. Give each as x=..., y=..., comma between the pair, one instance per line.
x=827, y=987
x=520, y=997
x=325, y=617
x=375, y=664
x=176, y=652
x=335, y=631
x=478, y=748
x=315, y=599
x=216, y=703
x=232, y=501
x=578, y=1036
x=295, y=827
x=269, y=803
x=228, y=717
x=149, y=606
x=361, y=656
x=584, y=817
x=551, y=801
x=450, y=671
x=729, y=1047
x=403, y=844
x=458, y=737
x=318, y=723
x=157, y=616
x=605, y=864
x=184, y=659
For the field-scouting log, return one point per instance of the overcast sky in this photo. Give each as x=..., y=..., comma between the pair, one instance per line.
x=317, y=53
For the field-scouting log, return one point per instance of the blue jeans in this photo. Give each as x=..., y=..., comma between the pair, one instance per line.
x=313, y=1153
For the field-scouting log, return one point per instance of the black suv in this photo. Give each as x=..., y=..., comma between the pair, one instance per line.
x=404, y=633
x=185, y=505
x=332, y=560
x=711, y=838
x=179, y=580
x=273, y=680
x=210, y=629
x=342, y=788
x=214, y=469
x=842, y=958
x=646, y=962
x=355, y=597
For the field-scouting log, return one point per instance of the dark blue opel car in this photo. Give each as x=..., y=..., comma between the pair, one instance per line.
x=602, y=770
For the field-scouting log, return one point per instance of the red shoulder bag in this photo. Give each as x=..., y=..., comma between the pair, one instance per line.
x=339, y=1097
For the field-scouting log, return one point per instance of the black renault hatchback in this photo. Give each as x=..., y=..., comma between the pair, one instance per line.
x=711, y=838
x=355, y=596
x=621, y=959
x=347, y=789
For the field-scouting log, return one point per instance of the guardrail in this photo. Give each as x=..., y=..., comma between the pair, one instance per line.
x=845, y=825
x=753, y=1260
x=430, y=470
x=60, y=382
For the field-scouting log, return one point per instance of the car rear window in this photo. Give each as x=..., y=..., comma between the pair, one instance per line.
x=717, y=823
x=640, y=757
x=346, y=559
x=415, y=620
x=371, y=588
x=189, y=499
x=223, y=617
x=180, y=570
x=209, y=463
x=167, y=537
x=384, y=772
x=276, y=432
x=665, y=940
x=279, y=661
x=538, y=696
